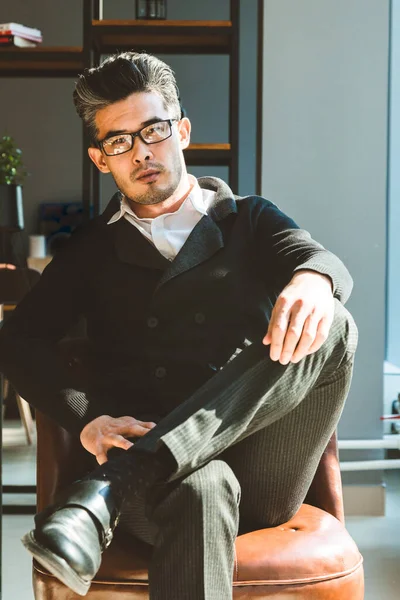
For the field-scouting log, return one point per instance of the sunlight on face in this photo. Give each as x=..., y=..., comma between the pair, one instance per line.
x=148, y=173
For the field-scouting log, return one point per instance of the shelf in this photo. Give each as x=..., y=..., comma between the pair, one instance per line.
x=170, y=37
x=189, y=37
x=41, y=61
x=155, y=37
x=208, y=154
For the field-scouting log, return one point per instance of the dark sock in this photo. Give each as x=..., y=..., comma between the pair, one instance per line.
x=135, y=470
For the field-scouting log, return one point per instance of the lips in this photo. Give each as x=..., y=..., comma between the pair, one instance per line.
x=148, y=175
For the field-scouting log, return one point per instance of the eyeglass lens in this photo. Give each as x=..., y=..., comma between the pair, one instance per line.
x=157, y=132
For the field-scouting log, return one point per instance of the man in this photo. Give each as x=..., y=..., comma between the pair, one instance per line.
x=221, y=353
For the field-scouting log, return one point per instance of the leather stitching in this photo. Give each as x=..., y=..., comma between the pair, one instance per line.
x=305, y=580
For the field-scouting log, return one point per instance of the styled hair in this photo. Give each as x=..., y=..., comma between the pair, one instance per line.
x=119, y=76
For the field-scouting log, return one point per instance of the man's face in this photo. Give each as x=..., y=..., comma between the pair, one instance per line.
x=164, y=160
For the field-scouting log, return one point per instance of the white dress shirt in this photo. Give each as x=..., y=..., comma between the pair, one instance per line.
x=168, y=232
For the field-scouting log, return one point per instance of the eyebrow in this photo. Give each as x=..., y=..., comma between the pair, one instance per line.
x=113, y=132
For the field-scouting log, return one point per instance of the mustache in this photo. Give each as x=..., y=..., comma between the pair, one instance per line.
x=154, y=165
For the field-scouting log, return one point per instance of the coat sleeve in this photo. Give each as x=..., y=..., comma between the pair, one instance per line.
x=29, y=356
x=283, y=248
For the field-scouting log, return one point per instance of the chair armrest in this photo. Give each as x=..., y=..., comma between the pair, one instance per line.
x=326, y=489
x=61, y=459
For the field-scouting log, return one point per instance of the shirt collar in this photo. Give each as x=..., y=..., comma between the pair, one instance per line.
x=195, y=197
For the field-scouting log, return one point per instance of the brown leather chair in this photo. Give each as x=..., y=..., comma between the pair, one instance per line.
x=312, y=556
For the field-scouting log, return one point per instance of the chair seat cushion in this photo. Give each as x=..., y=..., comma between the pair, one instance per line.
x=313, y=546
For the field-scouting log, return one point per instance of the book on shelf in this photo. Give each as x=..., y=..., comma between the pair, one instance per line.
x=16, y=40
x=9, y=32
x=21, y=30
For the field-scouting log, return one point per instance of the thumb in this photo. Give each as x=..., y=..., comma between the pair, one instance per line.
x=101, y=458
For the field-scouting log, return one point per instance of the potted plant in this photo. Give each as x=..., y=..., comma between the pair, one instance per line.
x=12, y=176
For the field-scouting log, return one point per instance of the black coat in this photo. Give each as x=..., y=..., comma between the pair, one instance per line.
x=157, y=329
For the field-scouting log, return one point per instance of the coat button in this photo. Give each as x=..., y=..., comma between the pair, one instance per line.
x=152, y=322
x=160, y=372
x=199, y=318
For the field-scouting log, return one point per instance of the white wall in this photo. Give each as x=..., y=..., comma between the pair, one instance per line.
x=393, y=272
x=324, y=157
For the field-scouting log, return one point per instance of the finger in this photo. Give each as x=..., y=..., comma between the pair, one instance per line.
x=140, y=431
x=130, y=427
x=322, y=334
x=294, y=332
x=279, y=306
x=147, y=424
x=126, y=423
x=278, y=327
x=267, y=339
x=134, y=430
x=113, y=441
x=101, y=458
x=307, y=338
x=119, y=441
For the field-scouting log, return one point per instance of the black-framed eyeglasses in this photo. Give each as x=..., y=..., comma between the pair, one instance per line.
x=151, y=134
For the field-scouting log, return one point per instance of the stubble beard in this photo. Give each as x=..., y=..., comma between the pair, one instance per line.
x=153, y=194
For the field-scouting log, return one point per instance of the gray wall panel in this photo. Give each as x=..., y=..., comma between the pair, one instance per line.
x=324, y=157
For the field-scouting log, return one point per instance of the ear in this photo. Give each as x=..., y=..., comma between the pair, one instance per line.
x=184, y=129
x=97, y=157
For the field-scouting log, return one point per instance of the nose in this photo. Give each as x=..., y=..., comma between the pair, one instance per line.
x=141, y=152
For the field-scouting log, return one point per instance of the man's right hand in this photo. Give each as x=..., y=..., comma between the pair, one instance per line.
x=106, y=432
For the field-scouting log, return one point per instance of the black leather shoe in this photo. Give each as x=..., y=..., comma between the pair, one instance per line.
x=70, y=536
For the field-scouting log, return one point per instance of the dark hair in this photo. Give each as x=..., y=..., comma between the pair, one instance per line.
x=119, y=76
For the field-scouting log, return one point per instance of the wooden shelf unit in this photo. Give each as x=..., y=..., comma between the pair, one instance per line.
x=208, y=154
x=157, y=37
x=41, y=61
x=190, y=37
x=102, y=36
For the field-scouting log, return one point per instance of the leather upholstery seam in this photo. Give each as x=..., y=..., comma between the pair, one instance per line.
x=235, y=583
x=305, y=580
x=139, y=582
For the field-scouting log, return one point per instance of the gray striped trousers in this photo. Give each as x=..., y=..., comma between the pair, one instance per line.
x=247, y=445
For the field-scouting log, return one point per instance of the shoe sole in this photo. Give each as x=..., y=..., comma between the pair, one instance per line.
x=56, y=565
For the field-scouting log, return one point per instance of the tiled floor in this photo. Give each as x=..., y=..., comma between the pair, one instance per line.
x=378, y=538
x=18, y=469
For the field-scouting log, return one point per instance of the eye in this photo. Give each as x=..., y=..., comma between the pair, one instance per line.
x=117, y=141
x=155, y=130
x=152, y=130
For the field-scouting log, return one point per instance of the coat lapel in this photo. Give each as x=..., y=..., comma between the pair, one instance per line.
x=204, y=241
x=133, y=248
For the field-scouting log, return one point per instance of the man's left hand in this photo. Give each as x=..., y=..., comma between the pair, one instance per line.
x=301, y=318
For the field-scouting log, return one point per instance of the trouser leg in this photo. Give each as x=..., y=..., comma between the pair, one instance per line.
x=192, y=527
x=274, y=456
x=276, y=465
x=248, y=394
x=194, y=524
x=197, y=520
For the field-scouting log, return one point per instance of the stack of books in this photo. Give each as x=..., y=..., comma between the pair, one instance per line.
x=14, y=34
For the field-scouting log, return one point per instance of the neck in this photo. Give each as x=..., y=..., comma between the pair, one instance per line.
x=171, y=204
